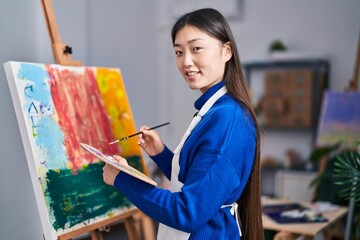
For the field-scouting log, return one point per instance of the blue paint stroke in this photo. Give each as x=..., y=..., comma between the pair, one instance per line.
x=38, y=76
x=49, y=137
x=342, y=107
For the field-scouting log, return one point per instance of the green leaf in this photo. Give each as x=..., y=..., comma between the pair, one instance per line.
x=347, y=172
x=316, y=180
x=319, y=153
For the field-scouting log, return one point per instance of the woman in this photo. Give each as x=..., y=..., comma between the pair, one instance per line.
x=214, y=172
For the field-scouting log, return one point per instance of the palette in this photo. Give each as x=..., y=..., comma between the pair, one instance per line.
x=113, y=162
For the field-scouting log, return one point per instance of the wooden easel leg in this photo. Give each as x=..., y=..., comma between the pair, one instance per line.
x=139, y=226
x=95, y=235
x=285, y=236
x=131, y=230
x=145, y=226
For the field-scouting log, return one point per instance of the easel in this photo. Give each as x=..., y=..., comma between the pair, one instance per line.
x=353, y=86
x=355, y=81
x=137, y=225
x=62, y=52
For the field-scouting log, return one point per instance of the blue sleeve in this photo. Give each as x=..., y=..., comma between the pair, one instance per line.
x=215, y=173
x=190, y=208
x=163, y=160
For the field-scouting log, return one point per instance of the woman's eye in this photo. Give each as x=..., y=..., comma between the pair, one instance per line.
x=178, y=53
x=195, y=49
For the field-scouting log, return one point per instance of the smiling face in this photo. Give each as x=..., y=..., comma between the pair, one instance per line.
x=200, y=57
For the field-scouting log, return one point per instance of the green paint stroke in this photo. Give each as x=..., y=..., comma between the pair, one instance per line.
x=79, y=198
x=135, y=162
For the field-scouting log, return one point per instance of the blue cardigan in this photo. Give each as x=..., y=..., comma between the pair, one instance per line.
x=215, y=164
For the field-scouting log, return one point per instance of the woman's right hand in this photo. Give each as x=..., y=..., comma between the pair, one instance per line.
x=150, y=141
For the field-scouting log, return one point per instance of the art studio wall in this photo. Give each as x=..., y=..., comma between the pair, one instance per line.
x=117, y=40
x=19, y=40
x=325, y=28
x=134, y=36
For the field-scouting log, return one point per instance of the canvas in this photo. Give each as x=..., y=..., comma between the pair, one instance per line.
x=339, y=118
x=57, y=108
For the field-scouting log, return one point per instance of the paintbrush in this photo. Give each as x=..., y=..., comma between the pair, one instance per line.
x=132, y=135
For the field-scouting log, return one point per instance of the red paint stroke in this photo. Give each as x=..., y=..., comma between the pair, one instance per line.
x=81, y=115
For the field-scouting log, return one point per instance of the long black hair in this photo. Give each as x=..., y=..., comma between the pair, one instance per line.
x=214, y=23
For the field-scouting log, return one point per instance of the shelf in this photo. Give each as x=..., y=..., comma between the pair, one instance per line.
x=291, y=92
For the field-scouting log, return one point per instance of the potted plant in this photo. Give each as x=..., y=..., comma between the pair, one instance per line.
x=338, y=179
x=347, y=170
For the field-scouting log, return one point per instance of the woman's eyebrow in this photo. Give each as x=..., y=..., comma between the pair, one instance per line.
x=190, y=41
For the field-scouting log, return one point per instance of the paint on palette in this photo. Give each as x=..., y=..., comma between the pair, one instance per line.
x=127, y=169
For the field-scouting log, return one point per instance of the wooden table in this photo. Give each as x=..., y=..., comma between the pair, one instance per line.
x=308, y=230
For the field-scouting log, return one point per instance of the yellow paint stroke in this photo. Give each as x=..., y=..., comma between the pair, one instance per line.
x=114, y=97
x=68, y=206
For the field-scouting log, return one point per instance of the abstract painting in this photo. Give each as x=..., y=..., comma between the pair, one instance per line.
x=339, y=118
x=57, y=108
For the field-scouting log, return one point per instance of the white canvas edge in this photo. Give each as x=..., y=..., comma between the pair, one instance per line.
x=44, y=217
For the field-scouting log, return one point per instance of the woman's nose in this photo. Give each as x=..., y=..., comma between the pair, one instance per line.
x=187, y=60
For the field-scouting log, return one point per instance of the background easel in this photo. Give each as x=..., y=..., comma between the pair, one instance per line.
x=137, y=225
x=355, y=81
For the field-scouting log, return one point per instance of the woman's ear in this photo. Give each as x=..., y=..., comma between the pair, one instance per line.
x=227, y=51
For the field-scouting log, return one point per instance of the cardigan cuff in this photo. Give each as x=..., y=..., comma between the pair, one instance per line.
x=164, y=160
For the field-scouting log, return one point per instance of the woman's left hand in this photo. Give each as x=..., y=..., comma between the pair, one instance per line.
x=110, y=172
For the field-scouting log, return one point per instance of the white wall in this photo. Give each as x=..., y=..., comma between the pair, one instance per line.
x=328, y=27
x=321, y=28
x=102, y=33
x=19, y=217
x=134, y=35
